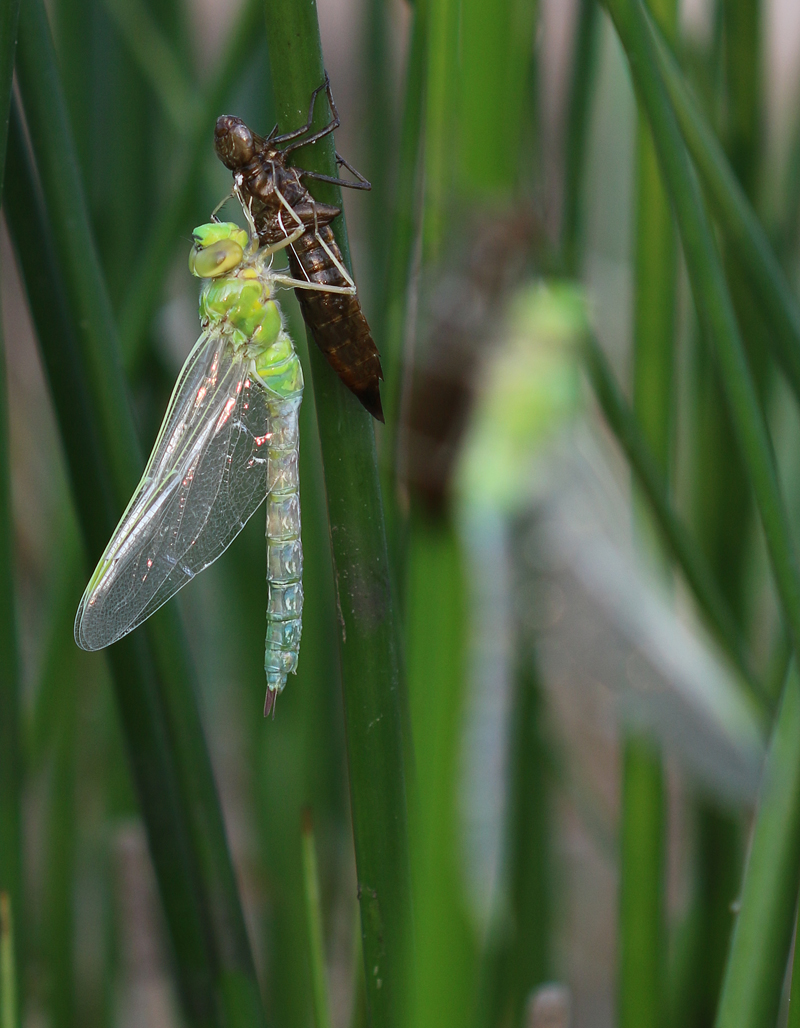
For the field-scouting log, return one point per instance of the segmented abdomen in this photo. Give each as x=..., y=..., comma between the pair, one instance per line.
x=284, y=549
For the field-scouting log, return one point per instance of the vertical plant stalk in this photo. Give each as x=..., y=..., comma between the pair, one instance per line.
x=10, y=726
x=642, y=927
x=9, y=1014
x=374, y=704
x=756, y=966
x=316, y=939
x=152, y=675
x=583, y=60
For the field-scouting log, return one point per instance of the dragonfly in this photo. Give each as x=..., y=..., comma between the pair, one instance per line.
x=228, y=441
x=285, y=212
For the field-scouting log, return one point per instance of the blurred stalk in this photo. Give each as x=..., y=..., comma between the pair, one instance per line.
x=154, y=687
x=756, y=965
x=741, y=228
x=58, y=918
x=524, y=957
x=583, y=60
x=642, y=925
x=676, y=538
x=145, y=289
x=444, y=987
x=405, y=228
x=381, y=117
x=316, y=936
x=442, y=80
x=10, y=727
x=375, y=718
x=9, y=1012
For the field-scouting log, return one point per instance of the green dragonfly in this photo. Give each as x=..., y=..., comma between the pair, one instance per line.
x=229, y=439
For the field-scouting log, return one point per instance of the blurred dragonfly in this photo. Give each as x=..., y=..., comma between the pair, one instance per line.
x=229, y=439
x=286, y=213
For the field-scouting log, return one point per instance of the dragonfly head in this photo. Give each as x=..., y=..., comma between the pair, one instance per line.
x=218, y=248
x=234, y=142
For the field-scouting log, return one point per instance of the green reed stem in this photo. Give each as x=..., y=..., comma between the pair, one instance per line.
x=375, y=716
x=642, y=923
x=713, y=303
x=742, y=230
x=676, y=537
x=152, y=675
x=10, y=726
x=405, y=227
x=583, y=62
x=9, y=1014
x=316, y=936
x=756, y=966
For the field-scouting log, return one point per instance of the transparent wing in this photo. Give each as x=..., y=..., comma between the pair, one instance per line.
x=206, y=476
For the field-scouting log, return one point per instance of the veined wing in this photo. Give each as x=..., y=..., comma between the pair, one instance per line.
x=206, y=476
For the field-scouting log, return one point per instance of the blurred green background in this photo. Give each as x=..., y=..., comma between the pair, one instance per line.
x=579, y=259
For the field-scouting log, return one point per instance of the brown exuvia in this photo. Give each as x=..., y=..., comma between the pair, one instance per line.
x=283, y=209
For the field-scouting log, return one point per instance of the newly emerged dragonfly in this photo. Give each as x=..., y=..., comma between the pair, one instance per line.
x=286, y=213
x=229, y=439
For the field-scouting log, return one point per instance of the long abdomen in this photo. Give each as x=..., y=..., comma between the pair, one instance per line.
x=284, y=549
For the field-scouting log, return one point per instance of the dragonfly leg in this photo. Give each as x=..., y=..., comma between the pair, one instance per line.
x=296, y=133
x=319, y=287
x=351, y=286
x=332, y=125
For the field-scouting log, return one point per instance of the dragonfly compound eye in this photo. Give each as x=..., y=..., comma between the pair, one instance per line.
x=233, y=142
x=215, y=260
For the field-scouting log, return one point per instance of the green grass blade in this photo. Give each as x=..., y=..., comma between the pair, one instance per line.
x=741, y=227
x=642, y=918
x=9, y=1014
x=642, y=849
x=374, y=710
x=582, y=70
x=756, y=965
x=182, y=808
x=675, y=535
x=316, y=935
x=10, y=726
x=444, y=986
x=713, y=303
x=405, y=226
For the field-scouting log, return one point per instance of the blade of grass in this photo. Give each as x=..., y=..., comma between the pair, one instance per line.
x=445, y=979
x=9, y=1014
x=524, y=957
x=316, y=940
x=374, y=704
x=759, y=948
x=171, y=724
x=689, y=558
x=713, y=303
x=442, y=31
x=582, y=68
x=10, y=726
x=642, y=924
x=742, y=230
